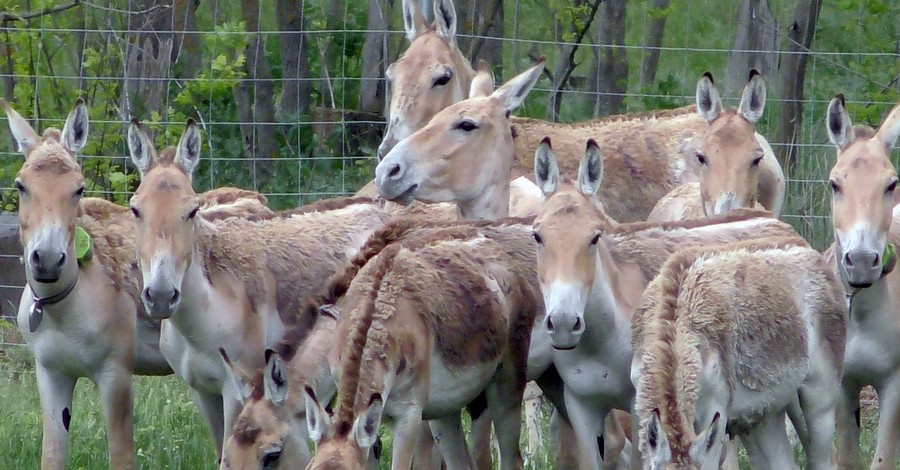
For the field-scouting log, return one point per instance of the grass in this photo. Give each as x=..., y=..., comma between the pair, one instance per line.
x=169, y=432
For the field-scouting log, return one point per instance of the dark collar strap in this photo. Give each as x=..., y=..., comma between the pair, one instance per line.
x=37, y=310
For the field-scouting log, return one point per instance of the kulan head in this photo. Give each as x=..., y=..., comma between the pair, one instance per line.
x=344, y=444
x=568, y=231
x=667, y=448
x=50, y=186
x=267, y=434
x=431, y=75
x=464, y=153
x=165, y=210
x=863, y=183
x=729, y=153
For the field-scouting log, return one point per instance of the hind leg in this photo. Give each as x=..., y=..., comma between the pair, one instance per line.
x=767, y=444
x=504, y=399
x=448, y=435
x=406, y=437
x=848, y=427
x=481, y=440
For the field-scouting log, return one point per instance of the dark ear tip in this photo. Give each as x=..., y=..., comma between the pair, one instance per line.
x=79, y=101
x=708, y=75
x=268, y=354
x=309, y=392
x=840, y=97
x=190, y=122
x=223, y=354
x=754, y=73
x=375, y=397
x=591, y=144
x=135, y=122
x=546, y=141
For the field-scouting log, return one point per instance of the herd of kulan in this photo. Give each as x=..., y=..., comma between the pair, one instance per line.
x=654, y=298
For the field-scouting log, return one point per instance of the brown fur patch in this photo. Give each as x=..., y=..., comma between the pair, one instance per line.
x=245, y=431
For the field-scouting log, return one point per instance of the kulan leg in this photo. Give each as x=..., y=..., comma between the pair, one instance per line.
x=406, y=438
x=767, y=444
x=504, y=399
x=848, y=430
x=888, y=424
x=211, y=409
x=56, y=407
x=448, y=435
x=587, y=421
x=115, y=385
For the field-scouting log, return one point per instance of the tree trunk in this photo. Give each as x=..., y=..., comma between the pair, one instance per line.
x=791, y=79
x=258, y=132
x=295, y=92
x=757, y=33
x=609, y=76
x=657, y=30
x=372, y=87
x=488, y=20
x=9, y=75
x=566, y=62
x=187, y=40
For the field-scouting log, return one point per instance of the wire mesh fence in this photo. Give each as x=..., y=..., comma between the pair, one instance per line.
x=291, y=94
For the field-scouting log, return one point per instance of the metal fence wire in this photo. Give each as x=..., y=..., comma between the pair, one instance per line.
x=291, y=94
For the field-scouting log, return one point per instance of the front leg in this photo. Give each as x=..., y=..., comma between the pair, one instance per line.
x=116, y=393
x=818, y=403
x=210, y=405
x=848, y=428
x=888, y=423
x=448, y=435
x=587, y=421
x=56, y=407
x=406, y=437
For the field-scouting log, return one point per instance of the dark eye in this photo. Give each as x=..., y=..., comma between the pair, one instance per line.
x=79, y=192
x=20, y=187
x=466, y=125
x=701, y=158
x=537, y=238
x=136, y=212
x=891, y=187
x=271, y=459
x=756, y=161
x=595, y=240
x=834, y=187
x=443, y=79
x=192, y=213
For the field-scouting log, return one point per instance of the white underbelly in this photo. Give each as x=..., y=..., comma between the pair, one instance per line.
x=450, y=389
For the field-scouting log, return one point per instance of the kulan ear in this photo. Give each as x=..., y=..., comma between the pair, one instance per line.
x=512, y=94
x=75, y=132
x=140, y=147
x=365, y=428
x=483, y=83
x=753, y=100
x=413, y=20
x=275, y=384
x=657, y=442
x=708, y=445
x=590, y=170
x=234, y=375
x=837, y=120
x=890, y=128
x=546, y=170
x=709, y=105
x=187, y=154
x=445, y=19
x=318, y=421
x=24, y=135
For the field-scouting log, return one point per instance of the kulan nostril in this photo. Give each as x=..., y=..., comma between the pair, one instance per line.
x=848, y=261
x=876, y=261
x=35, y=258
x=146, y=295
x=577, y=326
x=549, y=324
x=395, y=170
x=62, y=260
x=176, y=294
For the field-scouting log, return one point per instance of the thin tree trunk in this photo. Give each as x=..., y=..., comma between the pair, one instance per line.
x=488, y=24
x=186, y=49
x=791, y=78
x=757, y=31
x=566, y=62
x=9, y=78
x=372, y=88
x=655, y=35
x=295, y=92
x=610, y=72
x=260, y=136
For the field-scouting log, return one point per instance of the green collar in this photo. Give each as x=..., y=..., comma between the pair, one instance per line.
x=84, y=246
x=888, y=259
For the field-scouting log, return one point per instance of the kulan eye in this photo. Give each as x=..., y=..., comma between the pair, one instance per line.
x=891, y=187
x=701, y=158
x=443, y=79
x=466, y=125
x=595, y=240
x=192, y=213
x=834, y=187
x=757, y=161
x=136, y=212
x=537, y=238
x=79, y=192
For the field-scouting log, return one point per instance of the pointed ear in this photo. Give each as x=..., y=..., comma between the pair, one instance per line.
x=413, y=20
x=187, y=154
x=657, y=442
x=513, y=92
x=445, y=19
x=365, y=428
x=75, y=132
x=753, y=100
x=141, y=147
x=483, y=83
x=708, y=445
x=890, y=129
x=546, y=170
x=317, y=419
x=244, y=390
x=590, y=170
x=25, y=136
x=275, y=378
x=709, y=105
x=840, y=129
